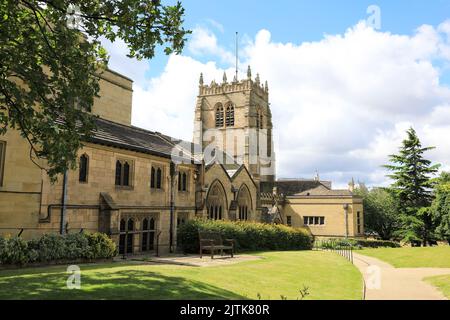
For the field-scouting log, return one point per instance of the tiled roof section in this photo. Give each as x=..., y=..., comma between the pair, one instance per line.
x=132, y=138
x=323, y=191
x=291, y=187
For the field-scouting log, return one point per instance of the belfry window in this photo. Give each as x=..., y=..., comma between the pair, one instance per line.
x=123, y=173
x=83, y=168
x=230, y=116
x=219, y=116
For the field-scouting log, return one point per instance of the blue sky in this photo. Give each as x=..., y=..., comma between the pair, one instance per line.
x=342, y=92
x=298, y=21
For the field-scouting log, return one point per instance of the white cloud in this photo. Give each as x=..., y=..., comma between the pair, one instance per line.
x=204, y=43
x=339, y=105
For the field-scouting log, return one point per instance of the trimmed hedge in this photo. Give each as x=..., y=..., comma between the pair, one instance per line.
x=356, y=243
x=53, y=248
x=249, y=236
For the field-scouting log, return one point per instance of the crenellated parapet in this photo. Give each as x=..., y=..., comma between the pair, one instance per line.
x=225, y=87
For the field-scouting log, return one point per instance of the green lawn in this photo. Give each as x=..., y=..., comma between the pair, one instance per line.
x=328, y=276
x=442, y=283
x=432, y=257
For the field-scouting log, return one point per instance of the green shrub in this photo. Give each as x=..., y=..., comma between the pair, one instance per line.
x=77, y=246
x=14, y=251
x=100, y=246
x=355, y=243
x=249, y=236
x=52, y=247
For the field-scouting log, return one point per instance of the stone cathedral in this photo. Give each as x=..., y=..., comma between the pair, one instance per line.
x=129, y=185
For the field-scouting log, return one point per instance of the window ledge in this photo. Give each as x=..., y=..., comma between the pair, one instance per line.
x=124, y=188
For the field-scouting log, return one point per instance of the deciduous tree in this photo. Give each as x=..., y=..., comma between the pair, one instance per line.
x=50, y=57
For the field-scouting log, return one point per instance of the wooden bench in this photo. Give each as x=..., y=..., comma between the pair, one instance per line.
x=213, y=242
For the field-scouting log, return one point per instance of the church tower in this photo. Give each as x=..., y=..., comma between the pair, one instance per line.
x=235, y=117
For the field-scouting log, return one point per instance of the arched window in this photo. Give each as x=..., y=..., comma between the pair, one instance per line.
x=118, y=173
x=257, y=119
x=261, y=122
x=130, y=227
x=126, y=174
x=123, y=173
x=83, y=168
x=144, y=245
x=152, y=178
x=230, y=116
x=184, y=186
x=244, y=203
x=158, y=178
x=122, y=237
x=219, y=116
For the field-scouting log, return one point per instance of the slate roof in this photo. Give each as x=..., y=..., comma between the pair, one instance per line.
x=323, y=191
x=135, y=139
x=290, y=187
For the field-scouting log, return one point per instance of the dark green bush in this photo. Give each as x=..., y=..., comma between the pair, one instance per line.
x=14, y=251
x=249, y=236
x=355, y=243
x=52, y=247
x=101, y=246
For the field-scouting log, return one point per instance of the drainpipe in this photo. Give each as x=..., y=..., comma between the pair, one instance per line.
x=346, y=220
x=62, y=227
x=173, y=173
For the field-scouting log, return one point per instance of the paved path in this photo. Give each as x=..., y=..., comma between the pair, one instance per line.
x=192, y=260
x=397, y=283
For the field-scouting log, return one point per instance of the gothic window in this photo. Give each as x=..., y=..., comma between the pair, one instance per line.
x=130, y=227
x=152, y=178
x=83, y=168
x=118, y=173
x=156, y=178
x=244, y=203
x=123, y=173
x=216, y=203
x=243, y=213
x=126, y=174
x=230, y=116
x=126, y=236
x=148, y=234
x=182, y=181
x=219, y=116
x=261, y=122
x=2, y=160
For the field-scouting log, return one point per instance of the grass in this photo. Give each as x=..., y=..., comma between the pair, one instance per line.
x=442, y=283
x=426, y=257
x=327, y=275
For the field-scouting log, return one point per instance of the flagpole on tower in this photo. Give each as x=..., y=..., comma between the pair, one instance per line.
x=237, y=56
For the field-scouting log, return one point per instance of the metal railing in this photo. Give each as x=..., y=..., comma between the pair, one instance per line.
x=337, y=246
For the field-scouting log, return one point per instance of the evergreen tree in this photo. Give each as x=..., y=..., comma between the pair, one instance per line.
x=412, y=187
x=441, y=207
